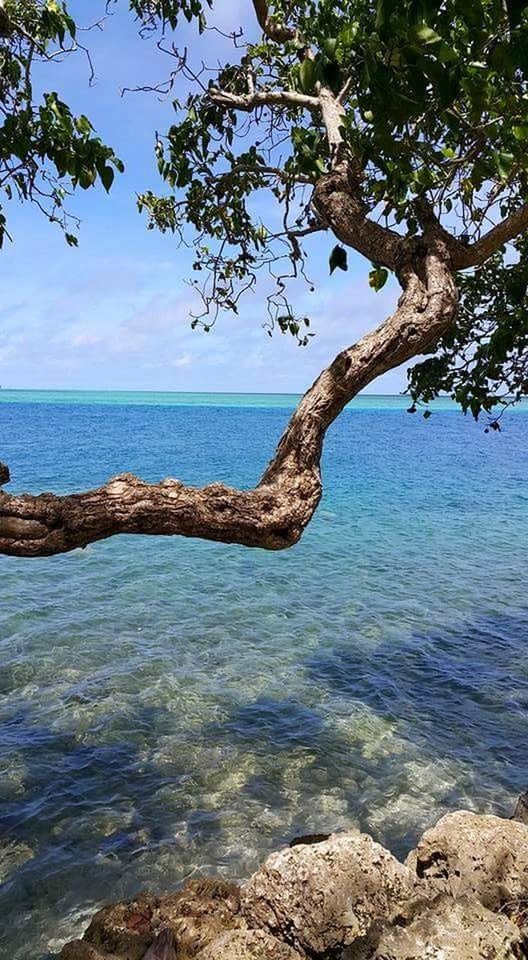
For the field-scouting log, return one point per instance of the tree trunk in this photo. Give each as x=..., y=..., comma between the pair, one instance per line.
x=276, y=512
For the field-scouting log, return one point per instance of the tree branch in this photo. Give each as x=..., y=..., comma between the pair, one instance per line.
x=271, y=28
x=339, y=203
x=333, y=114
x=275, y=513
x=337, y=196
x=477, y=253
x=264, y=98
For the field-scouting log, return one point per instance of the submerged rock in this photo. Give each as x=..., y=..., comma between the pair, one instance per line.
x=248, y=945
x=194, y=916
x=451, y=930
x=480, y=856
x=12, y=856
x=321, y=897
x=308, y=839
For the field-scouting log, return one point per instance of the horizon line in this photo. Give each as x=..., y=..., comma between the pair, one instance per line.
x=219, y=393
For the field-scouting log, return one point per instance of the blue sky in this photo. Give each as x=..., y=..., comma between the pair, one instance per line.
x=114, y=313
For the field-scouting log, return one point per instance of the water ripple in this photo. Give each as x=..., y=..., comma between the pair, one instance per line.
x=173, y=707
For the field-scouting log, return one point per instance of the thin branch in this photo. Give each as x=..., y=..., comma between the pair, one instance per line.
x=476, y=253
x=249, y=102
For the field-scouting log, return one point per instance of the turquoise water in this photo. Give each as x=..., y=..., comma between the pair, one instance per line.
x=172, y=707
x=287, y=401
x=140, y=397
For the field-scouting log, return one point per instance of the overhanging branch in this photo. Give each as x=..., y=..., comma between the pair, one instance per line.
x=276, y=512
x=339, y=203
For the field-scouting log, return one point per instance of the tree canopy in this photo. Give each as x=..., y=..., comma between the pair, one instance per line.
x=430, y=110
x=398, y=129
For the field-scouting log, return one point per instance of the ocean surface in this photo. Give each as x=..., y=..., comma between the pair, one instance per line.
x=173, y=707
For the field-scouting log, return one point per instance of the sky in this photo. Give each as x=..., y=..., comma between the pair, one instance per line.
x=113, y=314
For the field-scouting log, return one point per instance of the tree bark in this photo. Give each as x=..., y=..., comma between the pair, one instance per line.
x=276, y=512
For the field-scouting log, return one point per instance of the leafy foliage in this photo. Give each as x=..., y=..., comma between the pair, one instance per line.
x=152, y=13
x=483, y=361
x=45, y=151
x=435, y=101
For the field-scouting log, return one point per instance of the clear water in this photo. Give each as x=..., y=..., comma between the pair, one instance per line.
x=172, y=707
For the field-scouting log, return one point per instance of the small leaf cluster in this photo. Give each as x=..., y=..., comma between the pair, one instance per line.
x=217, y=172
x=153, y=13
x=45, y=151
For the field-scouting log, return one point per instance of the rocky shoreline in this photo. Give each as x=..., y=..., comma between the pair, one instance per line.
x=462, y=894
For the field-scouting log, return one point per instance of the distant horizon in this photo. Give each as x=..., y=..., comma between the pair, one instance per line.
x=219, y=393
x=77, y=396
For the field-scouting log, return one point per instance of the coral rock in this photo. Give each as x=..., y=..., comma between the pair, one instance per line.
x=480, y=856
x=81, y=950
x=521, y=809
x=248, y=945
x=451, y=930
x=195, y=915
x=323, y=896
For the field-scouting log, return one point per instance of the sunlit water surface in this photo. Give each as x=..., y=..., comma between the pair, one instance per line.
x=170, y=707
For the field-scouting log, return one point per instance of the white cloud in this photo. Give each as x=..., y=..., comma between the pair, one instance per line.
x=183, y=361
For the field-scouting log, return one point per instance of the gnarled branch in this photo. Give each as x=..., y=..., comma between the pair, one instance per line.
x=276, y=512
x=338, y=201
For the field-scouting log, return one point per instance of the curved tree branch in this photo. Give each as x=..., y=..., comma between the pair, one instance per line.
x=338, y=198
x=275, y=513
x=476, y=253
x=339, y=203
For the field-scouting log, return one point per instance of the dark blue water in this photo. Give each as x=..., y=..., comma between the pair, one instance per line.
x=170, y=707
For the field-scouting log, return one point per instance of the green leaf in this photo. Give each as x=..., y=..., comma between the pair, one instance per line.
x=329, y=47
x=338, y=259
x=384, y=9
x=83, y=125
x=307, y=75
x=348, y=34
x=426, y=34
x=378, y=278
x=520, y=131
x=107, y=177
x=87, y=178
x=504, y=163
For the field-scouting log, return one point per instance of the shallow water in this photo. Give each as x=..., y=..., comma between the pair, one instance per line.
x=171, y=707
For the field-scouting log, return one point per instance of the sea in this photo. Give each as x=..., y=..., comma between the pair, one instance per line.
x=171, y=708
